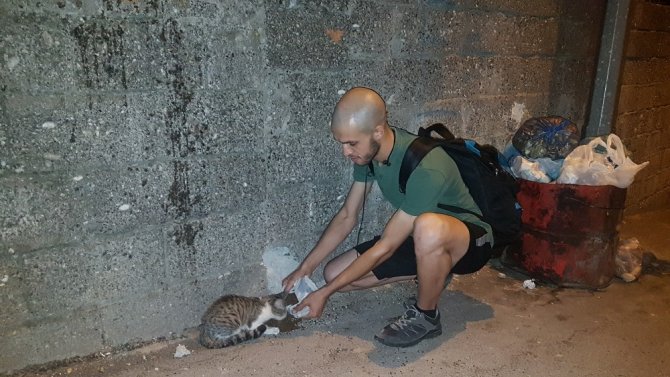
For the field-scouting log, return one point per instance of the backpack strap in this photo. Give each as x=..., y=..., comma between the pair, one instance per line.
x=416, y=151
x=459, y=210
x=438, y=128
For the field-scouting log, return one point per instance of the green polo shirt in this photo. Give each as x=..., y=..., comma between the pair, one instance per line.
x=435, y=180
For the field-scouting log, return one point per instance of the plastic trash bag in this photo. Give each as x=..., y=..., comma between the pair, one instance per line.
x=529, y=170
x=600, y=163
x=552, y=137
x=541, y=169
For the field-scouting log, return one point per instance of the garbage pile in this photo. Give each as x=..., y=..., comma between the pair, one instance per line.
x=549, y=150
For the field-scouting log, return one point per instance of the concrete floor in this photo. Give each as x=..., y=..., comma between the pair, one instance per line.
x=492, y=327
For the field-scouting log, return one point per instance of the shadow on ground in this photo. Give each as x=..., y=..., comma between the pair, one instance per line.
x=362, y=314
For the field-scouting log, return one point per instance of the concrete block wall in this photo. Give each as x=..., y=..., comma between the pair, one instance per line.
x=643, y=113
x=151, y=151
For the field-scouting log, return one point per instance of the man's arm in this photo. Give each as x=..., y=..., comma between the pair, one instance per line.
x=399, y=227
x=337, y=230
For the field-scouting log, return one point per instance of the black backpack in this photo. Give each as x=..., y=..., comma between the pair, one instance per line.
x=491, y=186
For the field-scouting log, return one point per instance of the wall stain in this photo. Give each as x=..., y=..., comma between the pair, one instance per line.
x=182, y=91
x=184, y=234
x=179, y=196
x=179, y=133
x=136, y=6
x=102, y=53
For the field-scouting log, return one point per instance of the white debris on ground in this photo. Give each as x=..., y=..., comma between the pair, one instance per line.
x=278, y=262
x=529, y=284
x=271, y=331
x=181, y=351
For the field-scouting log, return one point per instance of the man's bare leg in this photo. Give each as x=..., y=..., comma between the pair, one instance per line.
x=339, y=263
x=440, y=241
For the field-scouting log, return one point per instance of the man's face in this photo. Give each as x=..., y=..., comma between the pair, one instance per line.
x=357, y=146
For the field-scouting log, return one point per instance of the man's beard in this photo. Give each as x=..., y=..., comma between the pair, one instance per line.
x=374, y=146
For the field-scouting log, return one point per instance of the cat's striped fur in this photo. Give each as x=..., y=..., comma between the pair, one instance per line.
x=233, y=319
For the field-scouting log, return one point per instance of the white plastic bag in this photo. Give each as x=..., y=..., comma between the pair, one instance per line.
x=528, y=170
x=302, y=288
x=600, y=163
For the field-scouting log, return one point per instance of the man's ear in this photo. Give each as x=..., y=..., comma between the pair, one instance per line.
x=378, y=133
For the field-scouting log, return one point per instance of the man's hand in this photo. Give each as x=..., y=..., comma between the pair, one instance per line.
x=316, y=301
x=292, y=278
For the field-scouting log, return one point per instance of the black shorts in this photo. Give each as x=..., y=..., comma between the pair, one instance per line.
x=403, y=261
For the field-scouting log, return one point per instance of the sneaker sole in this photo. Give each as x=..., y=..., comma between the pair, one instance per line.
x=429, y=335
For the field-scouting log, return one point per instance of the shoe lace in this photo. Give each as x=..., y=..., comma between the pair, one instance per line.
x=405, y=319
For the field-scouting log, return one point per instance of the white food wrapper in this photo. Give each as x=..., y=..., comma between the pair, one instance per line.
x=271, y=331
x=529, y=284
x=181, y=351
x=301, y=288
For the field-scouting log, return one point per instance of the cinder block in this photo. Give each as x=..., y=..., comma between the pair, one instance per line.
x=318, y=160
x=644, y=72
x=309, y=36
x=220, y=122
x=184, y=56
x=71, y=206
x=473, y=76
x=38, y=53
x=636, y=97
x=647, y=44
x=410, y=82
x=289, y=222
x=304, y=102
x=35, y=212
x=204, y=186
x=476, y=34
x=214, y=246
x=650, y=16
x=116, y=200
x=545, y=8
x=65, y=131
x=666, y=157
x=139, y=318
x=369, y=32
x=58, y=132
x=203, y=123
x=98, y=272
x=14, y=309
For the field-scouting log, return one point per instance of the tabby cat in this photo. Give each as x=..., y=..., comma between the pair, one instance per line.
x=233, y=319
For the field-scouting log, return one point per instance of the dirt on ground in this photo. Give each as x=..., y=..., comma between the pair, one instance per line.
x=492, y=326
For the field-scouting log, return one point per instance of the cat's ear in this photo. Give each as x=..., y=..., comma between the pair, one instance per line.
x=282, y=295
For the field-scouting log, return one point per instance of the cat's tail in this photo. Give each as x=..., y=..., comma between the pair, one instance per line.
x=215, y=337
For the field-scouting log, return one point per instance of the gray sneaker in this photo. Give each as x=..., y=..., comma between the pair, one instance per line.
x=410, y=329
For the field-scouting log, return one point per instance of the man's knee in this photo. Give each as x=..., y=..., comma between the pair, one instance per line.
x=330, y=272
x=434, y=231
x=428, y=228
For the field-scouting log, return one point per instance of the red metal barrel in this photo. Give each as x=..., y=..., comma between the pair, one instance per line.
x=570, y=233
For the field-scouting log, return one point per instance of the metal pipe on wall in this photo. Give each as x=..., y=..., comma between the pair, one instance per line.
x=606, y=84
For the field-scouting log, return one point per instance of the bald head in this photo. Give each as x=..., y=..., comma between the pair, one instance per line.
x=359, y=109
